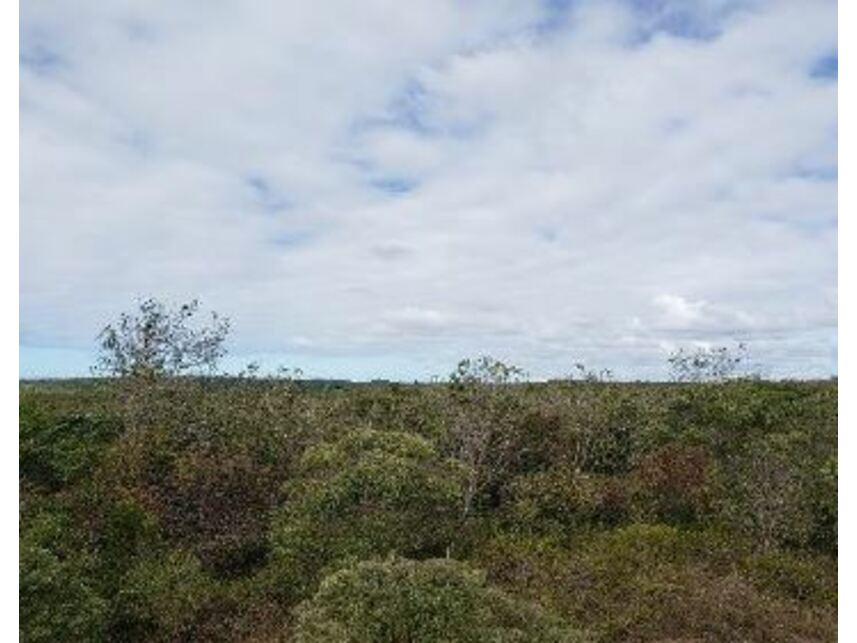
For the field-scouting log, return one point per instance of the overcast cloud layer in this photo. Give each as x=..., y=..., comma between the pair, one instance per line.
x=379, y=188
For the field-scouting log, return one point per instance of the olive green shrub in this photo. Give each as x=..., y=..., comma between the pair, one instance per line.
x=559, y=501
x=386, y=601
x=661, y=583
x=59, y=599
x=672, y=484
x=811, y=579
x=369, y=493
x=766, y=495
x=161, y=597
x=56, y=452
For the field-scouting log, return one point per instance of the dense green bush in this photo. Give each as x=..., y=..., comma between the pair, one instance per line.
x=161, y=597
x=558, y=500
x=659, y=582
x=766, y=494
x=56, y=452
x=823, y=501
x=798, y=576
x=431, y=601
x=367, y=494
x=59, y=598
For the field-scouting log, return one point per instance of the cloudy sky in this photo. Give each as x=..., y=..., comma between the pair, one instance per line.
x=379, y=188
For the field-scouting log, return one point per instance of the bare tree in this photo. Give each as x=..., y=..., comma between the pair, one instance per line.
x=160, y=341
x=584, y=374
x=483, y=420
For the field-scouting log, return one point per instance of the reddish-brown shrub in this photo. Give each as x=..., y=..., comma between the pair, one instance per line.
x=672, y=483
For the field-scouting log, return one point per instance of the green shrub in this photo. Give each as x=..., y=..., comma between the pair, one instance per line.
x=557, y=501
x=610, y=446
x=766, y=495
x=657, y=582
x=824, y=535
x=430, y=601
x=367, y=494
x=526, y=564
x=128, y=534
x=811, y=579
x=207, y=460
x=161, y=598
x=54, y=453
x=59, y=599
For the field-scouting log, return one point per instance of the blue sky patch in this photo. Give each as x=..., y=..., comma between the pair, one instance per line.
x=826, y=67
x=41, y=59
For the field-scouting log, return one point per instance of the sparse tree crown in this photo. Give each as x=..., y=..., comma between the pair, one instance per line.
x=161, y=341
x=706, y=364
x=485, y=370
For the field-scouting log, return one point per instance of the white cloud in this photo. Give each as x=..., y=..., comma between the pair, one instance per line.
x=406, y=183
x=680, y=312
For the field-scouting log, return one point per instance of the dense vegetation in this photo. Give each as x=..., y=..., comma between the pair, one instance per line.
x=161, y=505
x=482, y=509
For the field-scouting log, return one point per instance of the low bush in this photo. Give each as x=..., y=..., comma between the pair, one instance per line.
x=673, y=484
x=58, y=599
x=57, y=452
x=558, y=501
x=161, y=598
x=369, y=493
x=430, y=601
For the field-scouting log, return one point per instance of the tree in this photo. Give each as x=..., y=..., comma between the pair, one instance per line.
x=484, y=421
x=706, y=364
x=584, y=374
x=160, y=341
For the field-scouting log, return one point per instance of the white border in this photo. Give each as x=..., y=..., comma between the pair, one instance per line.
x=9, y=318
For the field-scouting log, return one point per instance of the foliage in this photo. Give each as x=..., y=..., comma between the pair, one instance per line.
x=485, y=370
x=706, y=364
x=433, y=600
x=59, y=599
x=367, y=494
x=56, y=452
x=158, y=340
x=657, y=582
x=185, y=508
x=483, y=424
x=207, y=462
x=673, y=483
x=161, y=596
x=557, y=501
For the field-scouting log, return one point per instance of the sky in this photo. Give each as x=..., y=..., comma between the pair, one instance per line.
x=381, y=188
